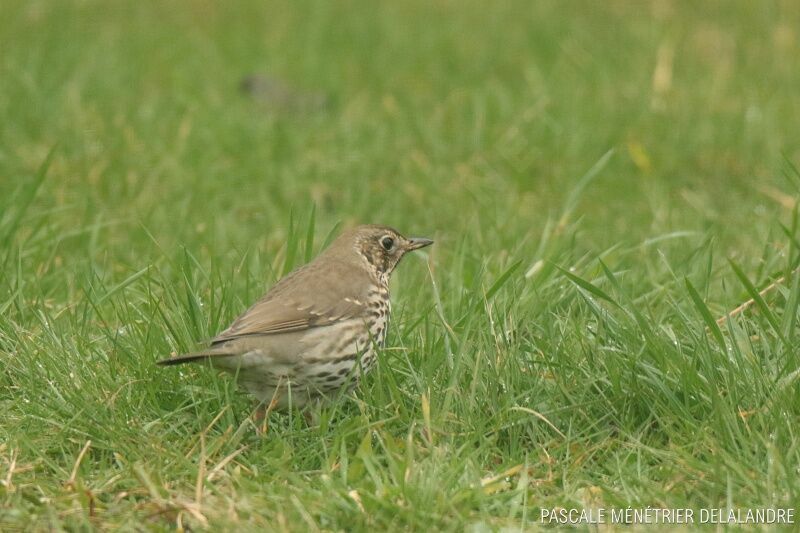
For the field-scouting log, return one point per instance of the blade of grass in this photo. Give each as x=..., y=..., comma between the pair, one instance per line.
x=585, y=285
x=10, y=226
x=572, y=199
x=790, y=311
x=310, y=233
x=758, y=298
x=711, y=324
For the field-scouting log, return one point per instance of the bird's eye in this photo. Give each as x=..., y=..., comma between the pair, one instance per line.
x=387, y=243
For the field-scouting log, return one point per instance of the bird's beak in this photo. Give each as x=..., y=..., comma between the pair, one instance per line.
x=415, y=243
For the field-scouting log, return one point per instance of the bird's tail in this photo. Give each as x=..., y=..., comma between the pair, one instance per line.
x=191, y=357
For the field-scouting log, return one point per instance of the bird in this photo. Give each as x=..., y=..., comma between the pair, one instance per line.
x=318, y=329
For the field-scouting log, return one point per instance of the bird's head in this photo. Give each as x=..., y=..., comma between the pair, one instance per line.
x=380, y=247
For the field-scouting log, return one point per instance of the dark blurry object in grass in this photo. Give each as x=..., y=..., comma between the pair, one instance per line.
x=277, y=95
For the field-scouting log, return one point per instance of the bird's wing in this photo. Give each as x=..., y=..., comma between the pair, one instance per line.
x=305, y=299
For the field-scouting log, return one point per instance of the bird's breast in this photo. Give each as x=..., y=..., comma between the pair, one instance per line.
x=379, y=307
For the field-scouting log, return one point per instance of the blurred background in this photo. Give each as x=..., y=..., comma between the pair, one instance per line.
x=204, y=124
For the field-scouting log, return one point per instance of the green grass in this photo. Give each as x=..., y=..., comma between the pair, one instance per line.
x=603, y=181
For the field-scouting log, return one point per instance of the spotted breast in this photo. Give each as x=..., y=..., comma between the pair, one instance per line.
x=318, y=330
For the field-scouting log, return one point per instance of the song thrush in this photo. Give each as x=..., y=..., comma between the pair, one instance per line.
x=317, y=329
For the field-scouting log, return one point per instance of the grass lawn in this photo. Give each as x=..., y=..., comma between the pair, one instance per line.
x=604, y=180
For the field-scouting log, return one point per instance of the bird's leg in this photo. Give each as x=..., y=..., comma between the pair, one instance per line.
x=261, y=414
x=313, y=412
x=259, y=418
x=311, y=416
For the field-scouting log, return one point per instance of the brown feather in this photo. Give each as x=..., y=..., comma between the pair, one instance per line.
x=325, y=299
